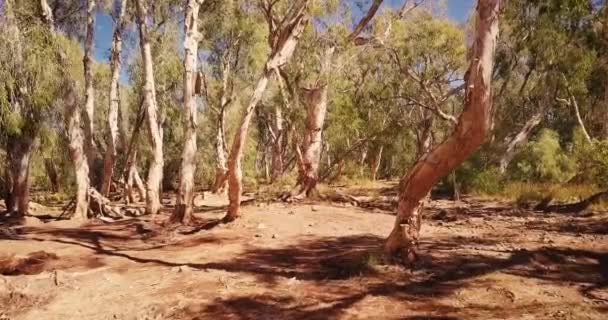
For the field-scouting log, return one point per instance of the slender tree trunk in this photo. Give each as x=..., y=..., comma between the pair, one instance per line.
x=221, y=166
x=277, y=144
x=316, y=109
x=520, y=138
x=375, y=164
x=282, y=51
x=115, y=66
x=20, y=150
x=470, y=132
x=185, y=194
x=51, y=171
x=89, y=128
x=155, y=174
x=77, y=150
x=131, y=174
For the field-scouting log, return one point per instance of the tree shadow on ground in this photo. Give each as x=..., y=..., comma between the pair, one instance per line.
x=327, y=264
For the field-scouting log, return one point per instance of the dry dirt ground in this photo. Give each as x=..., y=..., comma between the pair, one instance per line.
x=479, y=259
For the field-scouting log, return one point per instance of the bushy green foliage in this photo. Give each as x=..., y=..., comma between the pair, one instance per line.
x=543, y=160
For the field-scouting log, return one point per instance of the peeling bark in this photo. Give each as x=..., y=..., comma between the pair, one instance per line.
x=155, y=174
x=284, y=43
x=115, y=67
x=469, y=133
x=185, y=194
x=316, y=108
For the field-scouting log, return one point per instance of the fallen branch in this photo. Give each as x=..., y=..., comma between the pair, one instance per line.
x=576, y=207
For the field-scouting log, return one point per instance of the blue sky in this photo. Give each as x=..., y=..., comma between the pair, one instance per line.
x=458, y=10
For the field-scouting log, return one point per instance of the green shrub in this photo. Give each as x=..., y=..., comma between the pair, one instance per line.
x=543, y=160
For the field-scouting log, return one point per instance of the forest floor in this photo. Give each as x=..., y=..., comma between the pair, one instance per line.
x=479, y=259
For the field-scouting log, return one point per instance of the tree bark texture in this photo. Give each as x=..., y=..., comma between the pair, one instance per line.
x=115, y=67
x=185, y=195
x=316, y=108
x=19, y=153
x=469, y=133
x=155, y=173
x=89, y=127
x=77, y=150
x=286, y=41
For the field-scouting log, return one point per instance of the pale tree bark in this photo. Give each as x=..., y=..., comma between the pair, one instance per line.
x=309, y=156
x=315, y=100
x=115, y=67
x=284, y=42
x=76, y=137
x=376, y=162
x=221, y=164
x=89, y=127
x=277, y=143
x=131, y=173
x=519, y=139
x=20, y=152
x=155, y=174
x=227, y=90
x=185, y=195
x=469, y=133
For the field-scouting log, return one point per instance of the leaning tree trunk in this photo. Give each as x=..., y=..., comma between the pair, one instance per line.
x=520, y=138
x=316, y=108
x=155, y=173
x=115, y=66
x=287, y=39
x=185, y=194
x=20, y=152
x=468, y=135
x=89, y=127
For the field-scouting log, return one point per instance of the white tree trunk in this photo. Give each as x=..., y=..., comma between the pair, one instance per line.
x=19, y=153
x=470, y=132
x=316, y=110
x=520, y=138
x=282, y=51
x=277, y=144
x=155, y=174
x=77, y=152
x=89, y=127
x=185, y=194
x=115, y=67
x=221, y=164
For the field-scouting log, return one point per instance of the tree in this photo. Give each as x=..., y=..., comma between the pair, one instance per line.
x=469, y=134
x=155, y=173
x=113, y=109
x=89, y=127
x=283, y=37
x=185, y=195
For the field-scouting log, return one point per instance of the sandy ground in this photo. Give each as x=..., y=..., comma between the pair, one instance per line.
x=483, y=260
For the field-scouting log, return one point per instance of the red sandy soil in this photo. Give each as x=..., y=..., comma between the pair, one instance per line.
x=481, y=260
